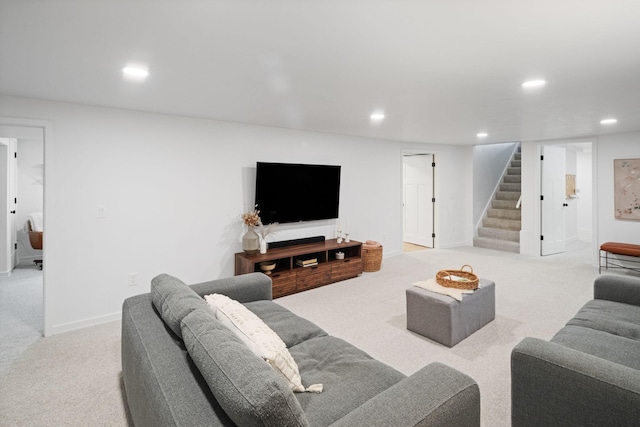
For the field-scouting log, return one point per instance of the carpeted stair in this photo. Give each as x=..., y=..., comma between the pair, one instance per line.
x=501, y=225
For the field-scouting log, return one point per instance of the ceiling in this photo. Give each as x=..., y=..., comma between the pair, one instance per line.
x=441, y=71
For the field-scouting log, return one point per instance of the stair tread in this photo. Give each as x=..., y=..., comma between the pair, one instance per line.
x=500, y=245
x=502, y=224
x=499, y=234
x=512, y=214
x=507, y=195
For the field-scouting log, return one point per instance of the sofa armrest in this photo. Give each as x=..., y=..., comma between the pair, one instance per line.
x=243, y=288
x=555, y=385
x=624, y=289
x=436, y=395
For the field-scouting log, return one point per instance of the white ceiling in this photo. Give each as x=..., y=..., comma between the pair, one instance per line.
x=442, y=71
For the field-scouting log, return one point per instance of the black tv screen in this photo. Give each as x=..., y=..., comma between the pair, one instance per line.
x=288, y=192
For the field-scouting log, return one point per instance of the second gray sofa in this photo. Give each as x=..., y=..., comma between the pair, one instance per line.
x=589, y=373
x=182, y=367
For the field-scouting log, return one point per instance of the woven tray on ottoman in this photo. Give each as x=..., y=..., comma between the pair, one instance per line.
x=459, y=279
x=371, y=257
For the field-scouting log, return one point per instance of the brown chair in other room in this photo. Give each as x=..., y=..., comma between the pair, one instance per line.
x=35, y=234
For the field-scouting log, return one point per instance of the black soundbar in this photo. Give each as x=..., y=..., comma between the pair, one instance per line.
x=304, y=240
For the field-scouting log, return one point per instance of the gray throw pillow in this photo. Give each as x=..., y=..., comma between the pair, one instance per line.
x=247, y=388
x=174, y=299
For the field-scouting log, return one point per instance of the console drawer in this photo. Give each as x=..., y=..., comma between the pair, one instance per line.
x=309, y=277
x=283, y=283
x=345, y=269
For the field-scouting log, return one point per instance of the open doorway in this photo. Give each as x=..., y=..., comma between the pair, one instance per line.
x=22, y=297
x=418, y=201
x=566, y=206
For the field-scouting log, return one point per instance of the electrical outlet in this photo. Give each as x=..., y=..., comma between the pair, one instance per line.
x=133, y=279
x=100, y=212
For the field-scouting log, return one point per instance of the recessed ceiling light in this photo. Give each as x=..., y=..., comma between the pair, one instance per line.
x=377, y=116
x=135, y=72
x=482, y=135
x=534, y=83
x=608, y=121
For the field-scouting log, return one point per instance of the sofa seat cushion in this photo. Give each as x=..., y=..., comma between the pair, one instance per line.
x=602, y=344
x=611, y=317
x=249, y=391
x=349, y=375
x=291, y=328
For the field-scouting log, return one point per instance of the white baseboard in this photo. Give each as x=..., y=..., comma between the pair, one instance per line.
x=72, y=326
x=456, y=244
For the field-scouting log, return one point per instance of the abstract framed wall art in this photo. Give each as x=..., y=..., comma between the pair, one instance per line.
x=626, y=182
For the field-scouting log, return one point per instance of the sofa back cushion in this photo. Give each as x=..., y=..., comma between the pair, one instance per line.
x=174, y=299
x=250, y=392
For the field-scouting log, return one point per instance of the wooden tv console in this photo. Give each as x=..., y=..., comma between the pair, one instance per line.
x=288, y=277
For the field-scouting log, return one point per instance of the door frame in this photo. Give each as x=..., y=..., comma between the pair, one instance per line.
x=434, y=177
x=47, y=142
x=531, y=190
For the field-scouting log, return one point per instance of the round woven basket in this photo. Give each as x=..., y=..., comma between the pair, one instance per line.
x=459, y=279
x=371, y=259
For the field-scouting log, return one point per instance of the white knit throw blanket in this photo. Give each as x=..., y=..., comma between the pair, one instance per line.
x=433, y=286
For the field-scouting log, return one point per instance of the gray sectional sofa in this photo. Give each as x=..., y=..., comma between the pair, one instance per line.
x=589, y=373
x=182, y=367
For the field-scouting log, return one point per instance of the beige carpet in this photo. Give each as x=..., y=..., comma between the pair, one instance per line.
x=73, y=379
x=534, y=297
x=70, y=379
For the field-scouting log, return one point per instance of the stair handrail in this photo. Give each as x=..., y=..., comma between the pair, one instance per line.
x=519, y=202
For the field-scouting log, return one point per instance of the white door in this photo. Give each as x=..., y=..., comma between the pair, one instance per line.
x=12, y=201
x=4, y=208
x=552, y=204
x=418, y=195
x=8, y=194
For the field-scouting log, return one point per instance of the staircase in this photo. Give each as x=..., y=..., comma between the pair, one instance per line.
x=501, y=224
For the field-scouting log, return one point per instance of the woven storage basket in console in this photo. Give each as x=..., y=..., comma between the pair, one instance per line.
x=459, y=279
x=371, y=259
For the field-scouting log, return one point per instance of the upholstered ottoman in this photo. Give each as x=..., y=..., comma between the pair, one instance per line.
x=447, y=320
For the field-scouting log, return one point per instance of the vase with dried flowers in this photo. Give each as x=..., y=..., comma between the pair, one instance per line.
x=250, y=240
x=263, y=232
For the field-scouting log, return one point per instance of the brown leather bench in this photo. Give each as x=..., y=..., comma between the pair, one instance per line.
x=626, y=250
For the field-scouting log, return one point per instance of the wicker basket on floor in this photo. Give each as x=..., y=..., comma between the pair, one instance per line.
x=469, y=280
x=371, y=259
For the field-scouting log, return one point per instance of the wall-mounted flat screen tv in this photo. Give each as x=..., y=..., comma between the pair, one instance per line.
x=287, y=192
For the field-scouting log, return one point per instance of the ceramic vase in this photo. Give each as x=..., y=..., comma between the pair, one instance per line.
x=250, y=241
x=263, y=246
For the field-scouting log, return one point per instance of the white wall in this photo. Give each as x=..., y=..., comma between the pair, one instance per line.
x=584, y=190
x=609, y=148
x=454, y=197
x=579, y=216
x=571, y=210
x=173, y=189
